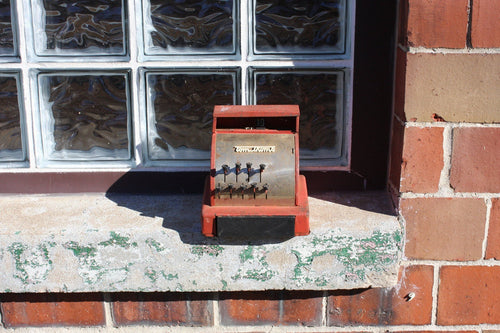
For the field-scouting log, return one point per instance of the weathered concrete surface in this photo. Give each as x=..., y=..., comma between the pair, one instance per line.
x=153, y=243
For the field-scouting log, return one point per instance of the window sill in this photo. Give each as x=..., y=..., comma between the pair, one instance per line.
x=97, y=243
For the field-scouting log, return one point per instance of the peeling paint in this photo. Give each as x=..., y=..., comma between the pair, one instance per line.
x=117, y=240
x=258, y=275
x=246, y=254
x=89, y=269
x=356, y=255
x=254, y=265
x=93, y=268
x=33, y=264
x=154, y=244
x=154, y=275
x=213, y=250
x=151, y=274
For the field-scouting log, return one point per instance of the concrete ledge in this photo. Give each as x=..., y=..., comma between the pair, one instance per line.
x=87, y=243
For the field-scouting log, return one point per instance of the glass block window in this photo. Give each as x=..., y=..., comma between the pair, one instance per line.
x=84, y=116
x=320, y=96
x=190, y=27
x=179, y=111
x=296, y=27
x=125, y=85
x=79, y=28
x=8, y=45
x=12, y=144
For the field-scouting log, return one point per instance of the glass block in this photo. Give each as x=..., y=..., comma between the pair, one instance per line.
x=319, y=94
x=190, y=27
x=179, y=111
x=85, y=27
x=85, y=116
x=7, y=37
x=299, y=27
x=11, y=132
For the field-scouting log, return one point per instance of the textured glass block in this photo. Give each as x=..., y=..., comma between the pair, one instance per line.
x=179, y=112
x=85, y=116
x=190, y=27
x=79, y=27
x=11, y=140
x=7, y=44
x=319, y=95
x=299, y=27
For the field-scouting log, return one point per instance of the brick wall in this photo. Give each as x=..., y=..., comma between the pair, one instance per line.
x=445, y=178
x=445, y=153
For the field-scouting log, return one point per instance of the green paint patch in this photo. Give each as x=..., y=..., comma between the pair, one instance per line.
x=33, y=264
x=211, y=250
x=358, y=256
x=169, y=276
x=246, y=254
x=80, y=251
x=321, y=281
x=259, y=275
x=155, y=245
x=90, y=270
x=154, y=275
x=254, y=265
x=151, y=274
x=224, y=285
x=118, y=240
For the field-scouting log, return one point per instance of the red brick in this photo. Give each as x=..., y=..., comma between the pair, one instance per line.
x=468, y=295
x=162, y=309
x=36, y=310
x=422, y=159
x=474, y=163
x=386, y=306
x=271, y=307
x=485, y=30
x=460, y=87
x=255, y=308
x=437, y=23
x=302, y=308
x=493, y=247
x=444, y=228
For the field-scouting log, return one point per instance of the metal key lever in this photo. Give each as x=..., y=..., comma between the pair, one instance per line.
x=254, y=188
x=237, y=169
x=262, y=167
x=230, y=187
x=266, y=188
x=243, y=188
x=225, y=169
x=249, y=170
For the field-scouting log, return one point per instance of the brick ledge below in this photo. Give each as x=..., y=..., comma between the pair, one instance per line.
x=109, y=243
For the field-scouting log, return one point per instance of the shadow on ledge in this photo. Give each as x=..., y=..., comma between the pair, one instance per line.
x=177, y=198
